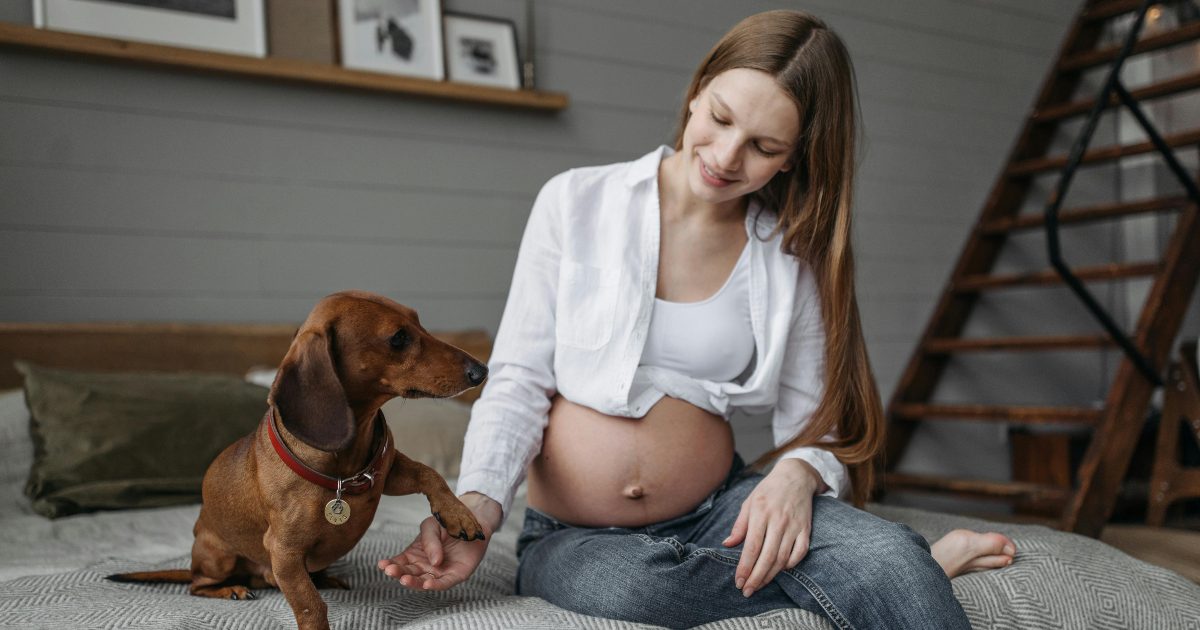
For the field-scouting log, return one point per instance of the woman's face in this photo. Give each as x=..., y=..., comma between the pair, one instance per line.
x=742, y=131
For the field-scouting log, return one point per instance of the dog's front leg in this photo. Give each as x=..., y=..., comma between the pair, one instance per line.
x=408, y=476
x=287, y=565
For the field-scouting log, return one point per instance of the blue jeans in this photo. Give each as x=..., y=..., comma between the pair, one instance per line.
x=861, y=571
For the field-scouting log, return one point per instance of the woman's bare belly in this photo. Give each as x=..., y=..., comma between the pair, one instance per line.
x=597, y=470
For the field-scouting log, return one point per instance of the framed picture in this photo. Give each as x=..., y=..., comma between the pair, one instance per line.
x=482, y=50
x=230, y=26
x=392, y=36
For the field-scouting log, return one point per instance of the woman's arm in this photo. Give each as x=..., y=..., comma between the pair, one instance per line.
x=508, y=420
x=801, y=385
x=775, y=522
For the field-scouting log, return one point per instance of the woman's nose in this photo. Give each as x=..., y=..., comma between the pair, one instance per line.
x=726, y=154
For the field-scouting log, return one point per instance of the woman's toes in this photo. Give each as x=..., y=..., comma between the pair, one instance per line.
x=994, y=543
x=984, y=563
x=963, y=550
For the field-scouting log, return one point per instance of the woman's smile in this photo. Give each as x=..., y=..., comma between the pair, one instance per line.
x=711, y=178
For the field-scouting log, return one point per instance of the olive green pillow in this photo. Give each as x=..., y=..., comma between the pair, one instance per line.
x=106, y=441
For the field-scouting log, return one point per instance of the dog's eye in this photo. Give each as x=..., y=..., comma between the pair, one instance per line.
x=399, y=340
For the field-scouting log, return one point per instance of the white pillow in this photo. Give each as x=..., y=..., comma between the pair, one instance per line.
x=263, y=376
x=16, y=449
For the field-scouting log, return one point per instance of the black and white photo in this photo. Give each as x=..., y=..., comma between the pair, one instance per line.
x=229, y=26
x=482, y=50
x=392, y=36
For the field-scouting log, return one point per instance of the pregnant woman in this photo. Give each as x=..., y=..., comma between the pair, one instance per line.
x=650, y=300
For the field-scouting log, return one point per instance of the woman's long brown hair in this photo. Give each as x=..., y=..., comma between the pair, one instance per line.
x=813, y=202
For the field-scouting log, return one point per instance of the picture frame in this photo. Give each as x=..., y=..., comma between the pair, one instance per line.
x=482, y=50
x=227, y=26
x=401, y=37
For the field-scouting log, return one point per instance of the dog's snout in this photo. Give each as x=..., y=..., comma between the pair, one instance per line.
x=476, y=372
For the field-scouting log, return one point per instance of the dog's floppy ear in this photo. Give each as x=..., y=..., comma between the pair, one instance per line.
x=309, y=396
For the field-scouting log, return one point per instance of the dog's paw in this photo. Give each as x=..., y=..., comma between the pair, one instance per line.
x=459, y=522
x=241, y=592
x=225, y=592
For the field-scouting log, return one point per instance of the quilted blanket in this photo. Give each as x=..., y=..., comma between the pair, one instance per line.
x=1057, y=581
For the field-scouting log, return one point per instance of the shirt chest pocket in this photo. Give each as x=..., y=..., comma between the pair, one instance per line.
x=587, y=304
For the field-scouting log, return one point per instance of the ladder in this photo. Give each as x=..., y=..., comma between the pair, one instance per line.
x=1083, y=501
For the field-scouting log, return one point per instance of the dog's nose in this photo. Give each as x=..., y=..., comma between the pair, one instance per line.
x=476, y=372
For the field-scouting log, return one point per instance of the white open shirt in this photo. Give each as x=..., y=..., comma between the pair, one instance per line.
x=579, y=310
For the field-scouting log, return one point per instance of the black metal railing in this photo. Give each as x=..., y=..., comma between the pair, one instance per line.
x=1111, y=85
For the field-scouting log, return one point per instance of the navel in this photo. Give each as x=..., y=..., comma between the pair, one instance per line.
x=634, y=491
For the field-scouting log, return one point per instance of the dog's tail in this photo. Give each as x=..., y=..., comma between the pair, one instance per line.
x=175, y=576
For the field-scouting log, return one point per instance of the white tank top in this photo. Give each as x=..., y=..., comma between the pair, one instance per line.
x=710, y=339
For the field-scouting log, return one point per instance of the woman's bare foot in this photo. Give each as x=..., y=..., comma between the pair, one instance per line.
x=963, y=550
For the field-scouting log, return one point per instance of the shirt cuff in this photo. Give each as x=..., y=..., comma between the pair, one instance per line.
x=490, y=487
x=827, y=465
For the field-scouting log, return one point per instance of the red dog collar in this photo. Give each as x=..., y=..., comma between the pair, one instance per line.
x=357, y=484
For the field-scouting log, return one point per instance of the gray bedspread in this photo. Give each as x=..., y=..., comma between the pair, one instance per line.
x=51, y=574
x=1058, y=581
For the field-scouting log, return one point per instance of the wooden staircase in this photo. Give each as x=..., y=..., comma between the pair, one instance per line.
x=1084, y=504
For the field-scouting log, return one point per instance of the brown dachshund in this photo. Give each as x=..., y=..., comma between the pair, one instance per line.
x=286, y=501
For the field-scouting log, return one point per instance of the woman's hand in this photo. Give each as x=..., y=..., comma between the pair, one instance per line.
x=434, y=560
x=775, y=523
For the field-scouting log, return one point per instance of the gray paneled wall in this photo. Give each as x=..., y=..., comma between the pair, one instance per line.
x=129, y=193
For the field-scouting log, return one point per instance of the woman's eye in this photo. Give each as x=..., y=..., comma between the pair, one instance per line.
x=399, y=340
x=719, y=121
x=766, y=152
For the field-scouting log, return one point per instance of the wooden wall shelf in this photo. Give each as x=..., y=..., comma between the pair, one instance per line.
x=22, y=36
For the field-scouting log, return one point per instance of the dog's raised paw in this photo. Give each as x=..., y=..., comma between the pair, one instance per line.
x=458, y=521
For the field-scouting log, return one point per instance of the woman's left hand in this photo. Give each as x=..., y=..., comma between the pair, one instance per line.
x=775, y=523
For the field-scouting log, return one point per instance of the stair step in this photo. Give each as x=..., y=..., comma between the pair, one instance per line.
x=1007, y=490
x=1049, y=277
x=1083, y=215
x=1060, y=342
x=1006, y=413
x=1034, y=166
x=1150, y=92
x=1094, y=58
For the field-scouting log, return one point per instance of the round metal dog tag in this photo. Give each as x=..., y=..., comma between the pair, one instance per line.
x=337, y=511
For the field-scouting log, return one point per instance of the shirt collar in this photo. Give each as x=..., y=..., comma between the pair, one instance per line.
x=646, y=166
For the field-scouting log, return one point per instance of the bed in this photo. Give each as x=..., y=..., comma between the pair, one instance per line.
x=51, y=570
